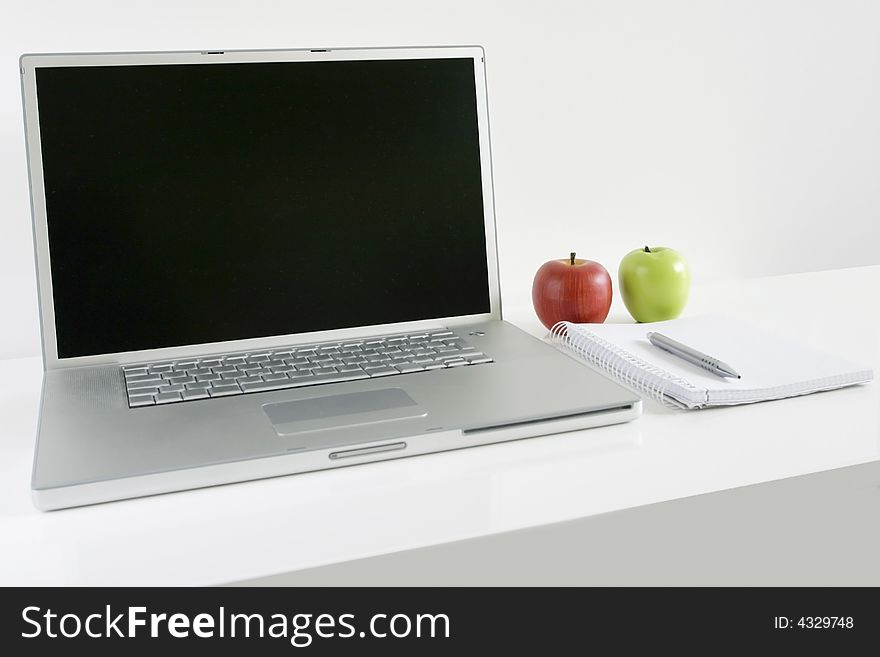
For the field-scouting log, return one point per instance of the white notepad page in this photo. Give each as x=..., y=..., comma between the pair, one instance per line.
x=772, y=367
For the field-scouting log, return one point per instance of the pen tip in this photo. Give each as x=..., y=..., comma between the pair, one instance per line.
x=739, y=376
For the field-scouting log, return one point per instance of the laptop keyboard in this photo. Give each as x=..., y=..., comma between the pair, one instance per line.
x=150, y=384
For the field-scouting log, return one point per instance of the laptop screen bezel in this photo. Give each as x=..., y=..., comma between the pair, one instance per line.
x=30, y=63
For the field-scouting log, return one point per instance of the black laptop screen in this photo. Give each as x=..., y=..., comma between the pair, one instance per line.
x=200, y=203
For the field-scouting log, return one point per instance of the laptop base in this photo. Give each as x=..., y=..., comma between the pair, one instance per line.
x=93, y=448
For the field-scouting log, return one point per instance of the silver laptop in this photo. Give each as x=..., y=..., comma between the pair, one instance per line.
x=254, y=264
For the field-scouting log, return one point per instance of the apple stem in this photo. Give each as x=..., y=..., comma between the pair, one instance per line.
x=572, y=257
x=647, y=250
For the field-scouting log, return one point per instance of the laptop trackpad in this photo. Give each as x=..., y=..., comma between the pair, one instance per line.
x=336, y=411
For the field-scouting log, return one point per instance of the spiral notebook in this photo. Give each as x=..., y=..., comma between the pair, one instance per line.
x=772, y=367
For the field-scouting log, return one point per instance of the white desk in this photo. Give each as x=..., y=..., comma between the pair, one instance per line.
x=289, y=524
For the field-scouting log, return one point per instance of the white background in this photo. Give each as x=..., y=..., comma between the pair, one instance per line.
x=745, y=134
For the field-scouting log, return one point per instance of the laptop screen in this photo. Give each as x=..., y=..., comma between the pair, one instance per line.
x=200, y=203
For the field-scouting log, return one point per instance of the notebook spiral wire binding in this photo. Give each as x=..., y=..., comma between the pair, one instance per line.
x=636, y=374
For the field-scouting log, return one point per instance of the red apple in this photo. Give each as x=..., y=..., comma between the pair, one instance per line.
x=572, y=290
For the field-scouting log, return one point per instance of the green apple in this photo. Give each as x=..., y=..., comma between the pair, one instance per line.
x=654, y=283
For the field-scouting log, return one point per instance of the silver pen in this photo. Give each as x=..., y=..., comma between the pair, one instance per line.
x=691, y=355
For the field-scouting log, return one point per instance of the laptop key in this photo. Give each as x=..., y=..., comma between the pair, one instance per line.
x=140, y=400
x=224, y=389
x=181, y=378
x=143, y=391
x=281, y=376
x=257, y=386
x=154, y=382
x=408, y=368
x=328, y=378
x=382, y=371
x=143, y=378
x=195, y=394
x=167, y=397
